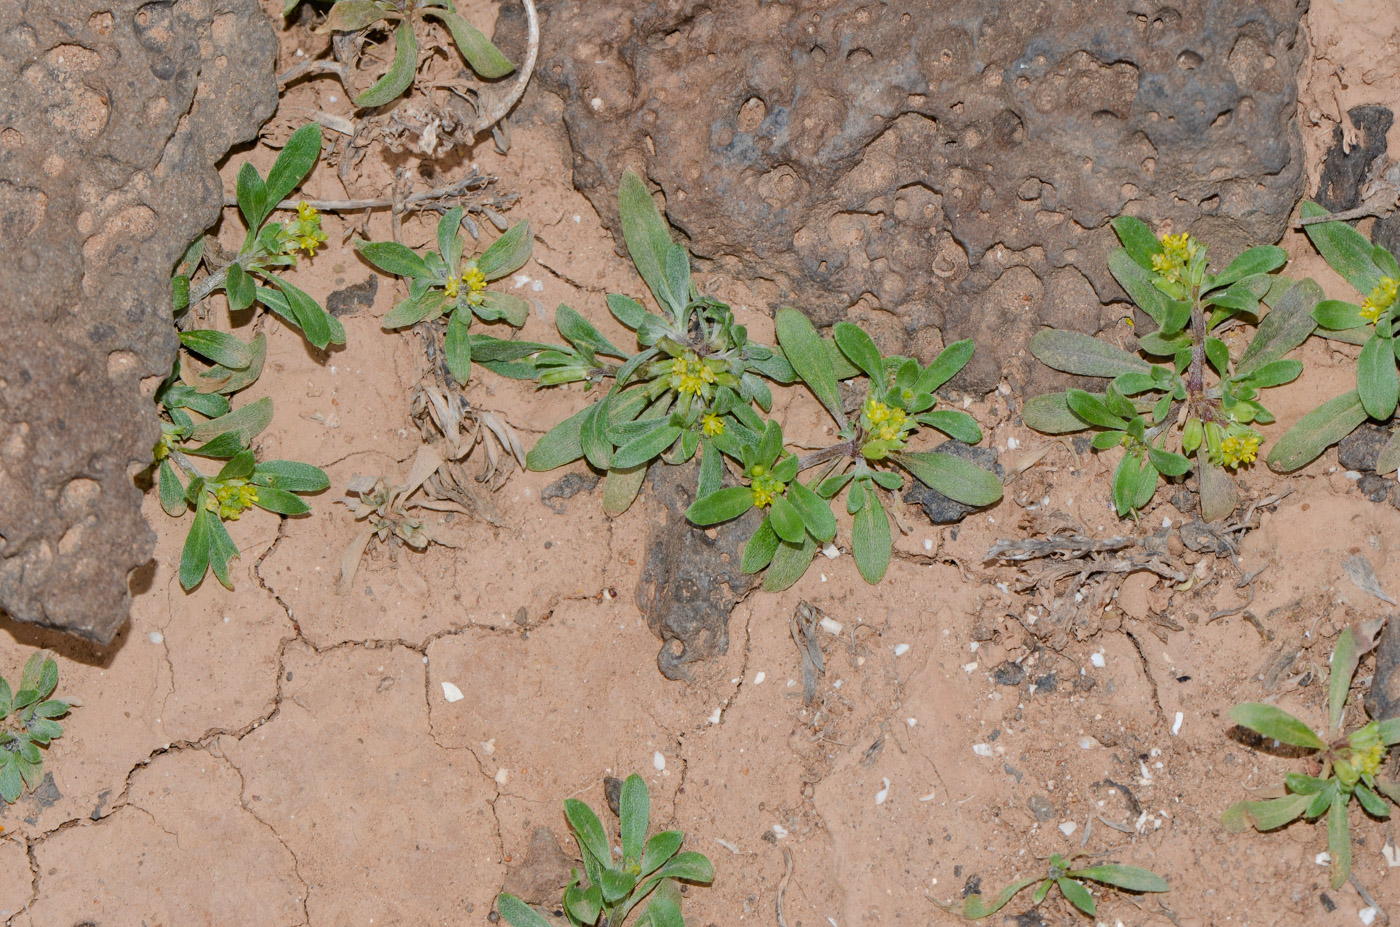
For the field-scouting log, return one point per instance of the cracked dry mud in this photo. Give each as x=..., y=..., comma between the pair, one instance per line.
x=284, y=756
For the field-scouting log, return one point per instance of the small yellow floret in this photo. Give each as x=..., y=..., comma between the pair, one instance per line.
x=1176, y=253
x=690, y=375
x=1239, y=449
x=1381, y=299
x=711, y=424
x=232, y=500
x=887, y=423
x=764, y=487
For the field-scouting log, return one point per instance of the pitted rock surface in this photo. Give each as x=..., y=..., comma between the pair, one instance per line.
x=116, y=114
x=942, y=169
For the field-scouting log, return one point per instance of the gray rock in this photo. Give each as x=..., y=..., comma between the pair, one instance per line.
x=939, y=508
x=1360, y=449
x=1042, y=807
x=116, y=115
x=941, y=169
x=1008, y=674
x=690, y=581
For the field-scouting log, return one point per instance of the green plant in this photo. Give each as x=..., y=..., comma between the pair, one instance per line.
x=1068, y=881
x=1185, y=397
x=402, y=16
x=29, y=721
x=1373, y=324
x=443, y=284
x=267, y=246
x=1347, y=764
x=610, y=888
x=899, y=398
x=694, y=376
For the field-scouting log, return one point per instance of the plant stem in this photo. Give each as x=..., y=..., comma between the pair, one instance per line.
x=186, y=464
x=1196, y=399
x=844, y=449
x=202, y=290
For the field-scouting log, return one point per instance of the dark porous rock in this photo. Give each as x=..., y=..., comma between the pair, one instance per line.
x=116, y=115
x=690, y=581
x=1375, y=487
x=1346, y=166
x=349, y=300
x=941, y=169
x=939, y=508
x=1008, y=674
x=1360, y=449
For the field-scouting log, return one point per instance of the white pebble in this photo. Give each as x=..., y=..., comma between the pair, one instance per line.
x=969, y=667
x=982, y=749
x=488, y=747
x=1176, y=725
x=831, y=551
x=596, y=103
x=1323, y=858
x=1098, y=660
x=928, y=797
x=1367, y=915
x=578, y=219
x=715, y=715
x=901, y=649
x=884, y=793
x=502, y=776
x=759, y=677
x=1166, y=522
x=1068, y=828
x=1012, y=444
x=658, y=761
x=156, y=637
x=928, y=543
x=911, y=721
x=451, y=692
x=779, y=831
x=1352, y=475
x=830, y=625
x=1087, y=743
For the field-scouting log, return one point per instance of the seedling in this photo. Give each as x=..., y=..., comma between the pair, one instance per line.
x=443, y=284
x=1191, y=399
x=267, y=247
x=611, y=888
x=694, y=376
x=1373, y=324
x=28, y=721
x=1347, y=765
x=403, y=17
x=1070, y=882
x=899, y=398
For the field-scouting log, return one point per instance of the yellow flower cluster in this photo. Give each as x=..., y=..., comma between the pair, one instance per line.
x=764, y=486
x=473, y=280
x=886, y=422
x=1381, y=299
x=232, y=500
x=690, y=375
x=1177, y=251
x=1369, y=761
x=305, y=233
x=711, y=424
x=1239, y=449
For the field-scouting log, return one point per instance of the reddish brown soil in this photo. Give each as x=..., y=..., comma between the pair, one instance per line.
x=283, y=755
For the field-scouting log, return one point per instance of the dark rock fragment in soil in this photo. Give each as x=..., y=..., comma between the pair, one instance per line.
x=541, y=876
x=118, y=111
x=939, y=508
x=1360, y=449
x=554, y=496
x=690, y=581
x=349, y=300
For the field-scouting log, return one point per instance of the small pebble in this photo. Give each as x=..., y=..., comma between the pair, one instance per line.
x=1323, y=858
x=884, y=793
x=1176, y=725
x=928, y=543
x=502, y=776
x=1068, y=828
x=156, y=637
x=911, y=721
x=830, y=625
x=779, y=831
x=658, y=761
x=715, y=715
x=982, y=749
x=1367, y=915
x=901, y=649
x=451, y=692
x=759, y=677
x=1098, y=660
x=831, y=551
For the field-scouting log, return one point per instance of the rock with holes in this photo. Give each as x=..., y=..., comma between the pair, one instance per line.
x=116, y=115
x=941, y=169
x=690, y=581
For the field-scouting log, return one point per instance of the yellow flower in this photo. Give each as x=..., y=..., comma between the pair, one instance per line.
x=1176, y=253
x=764, y=487
x=307, y=213
x=887, y=423
x=1239, y=449
x=1369, y=760
x=689, y=374
x=1381, y=299
x=232, y=499
x=711, y=424
x=475, y=281
x=305, y=233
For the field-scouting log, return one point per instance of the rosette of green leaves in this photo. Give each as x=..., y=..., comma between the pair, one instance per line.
x=797, y=517
x=1140, y=405
x=862, y=463
x=1364, y=266
x=659, y=399
x=400, y=17
x=610, y=888
x=1070, y=882
x=183, y=486
x=30, y=721
x=265, y=249
x=439, y=283
x=1350, y=765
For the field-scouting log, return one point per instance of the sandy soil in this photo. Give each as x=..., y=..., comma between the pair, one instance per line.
x=283, y=755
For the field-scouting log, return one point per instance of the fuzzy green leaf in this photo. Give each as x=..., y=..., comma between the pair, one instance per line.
x=517, y=913
x=1345, y=657
x=247, y=422
x=1138, y=240
x=172, y=492
x=291, y=475
x=1259, y=260
x=1285, y=327
x=958, y=479
x=251, y=193
x=720, y=506
x=805, y=350
x=1376, y=379
x=645, y=233
x=870, y=539
x=1272, y=721
x=219, y=347
x=1131, y=878
x=1077, y=894
x=400, y=74
x=508, y=253
x=1343, y=247
x=954, y=423
x=350, y=16
x=975, y=907
x=1315, y=432
x=295, y=161
x=483, y=56
x=860, y=348
x=1084, y=355
x=588, y=830
x=1338, y=837
x=1050, y=414
x=1093, y=410
x=815, y=511
x=789, y=563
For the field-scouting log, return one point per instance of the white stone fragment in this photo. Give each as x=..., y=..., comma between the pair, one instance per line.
x=982, y=749
x=830, y=625
x=658, y=761
x=883, y=794
x=1367, y=915
x=156, y=637
x=831, y=551
x=901, y=649
x=1098, y=660
x=715, y=715
x=451, y=692
x=1068, y=828
x=759, y=677
x=1176, y=725
x=779, y=831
